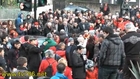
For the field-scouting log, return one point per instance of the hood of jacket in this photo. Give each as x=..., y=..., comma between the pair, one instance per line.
x=19, y=15
x=114, y=39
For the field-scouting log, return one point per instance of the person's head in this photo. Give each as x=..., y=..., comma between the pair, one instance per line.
x=40, y=15
x=28, y=16
x=62, y=31
x=49, y=35
x=61, y=67
x=62, y=45
x=75, y=24
x=80, y=39
x=36, y=24
x=91, y=39
x=89, y=65
x=1, y=51
x=33, y=41
x=100, y=37
x=63, y=60
x=49, y=24
x=105, y=4
x=4, y=38
x=92, y=32
x=122, y=33
x=83, y=20
x=4, y=24
x=79, y=49
x=21, y=25
x=26, y=38
x=1, y=71
x=129, y=27
x=17, y=44
x=108, y=31
x=49, y=53
x=10, y=22
x=71, y=41
x=22, y=61
x=65, y=23
x=21, y=15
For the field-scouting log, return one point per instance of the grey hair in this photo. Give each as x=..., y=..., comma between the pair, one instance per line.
x=92, y=32
x=130, y=26
x=49, y=23
x=49, y=53
x=49, y=35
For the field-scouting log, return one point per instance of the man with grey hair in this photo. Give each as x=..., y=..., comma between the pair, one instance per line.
x=131, y=44
x=48, y=28
x=47, y=62
x=49, y=53
x=130, y=27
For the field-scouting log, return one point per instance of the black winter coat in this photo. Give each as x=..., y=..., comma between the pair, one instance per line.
x=34, y=58
x=13, y=55
x=78, y=68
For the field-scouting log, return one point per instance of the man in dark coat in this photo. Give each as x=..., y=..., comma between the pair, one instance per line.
x=14, y=54
x=48, y=28
x=132, y=49
x=34, y=56
x=83, y=26
x=78, y=67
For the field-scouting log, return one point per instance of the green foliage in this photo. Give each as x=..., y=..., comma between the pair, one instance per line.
x=134, y=71
x=9, y=3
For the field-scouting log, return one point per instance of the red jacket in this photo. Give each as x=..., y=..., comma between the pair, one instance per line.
x=57, y=39
x=68, y=72
x=45, y=63
x=92, y=74
x=1, y=77
x=61, y=53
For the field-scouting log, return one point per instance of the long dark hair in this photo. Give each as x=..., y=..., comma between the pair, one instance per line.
x=91, y=40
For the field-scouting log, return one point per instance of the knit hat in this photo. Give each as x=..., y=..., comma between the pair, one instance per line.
x=89, y=64
x=70, y=39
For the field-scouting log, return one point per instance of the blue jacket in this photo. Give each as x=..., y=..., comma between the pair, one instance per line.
x=18, y=21
x=59, y=76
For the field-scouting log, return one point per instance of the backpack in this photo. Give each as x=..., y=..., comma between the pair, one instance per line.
x=49, y=69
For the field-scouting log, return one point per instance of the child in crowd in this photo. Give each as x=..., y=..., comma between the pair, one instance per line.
x=92, y=70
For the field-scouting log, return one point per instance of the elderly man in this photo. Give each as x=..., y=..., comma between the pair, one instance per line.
x=131, y=42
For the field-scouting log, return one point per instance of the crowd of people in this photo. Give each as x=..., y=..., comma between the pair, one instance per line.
x=78, y=45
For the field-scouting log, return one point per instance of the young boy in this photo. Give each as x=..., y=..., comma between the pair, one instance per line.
x=92, y=70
